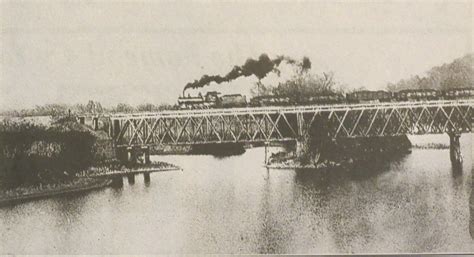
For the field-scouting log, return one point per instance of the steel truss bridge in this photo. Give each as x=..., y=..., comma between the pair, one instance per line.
x=265, y=124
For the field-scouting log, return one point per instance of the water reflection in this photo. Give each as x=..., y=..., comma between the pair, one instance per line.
x=471, y=206
x=272, y=236
x=415, y=203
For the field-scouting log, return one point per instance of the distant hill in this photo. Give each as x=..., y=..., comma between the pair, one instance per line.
x=457, y=74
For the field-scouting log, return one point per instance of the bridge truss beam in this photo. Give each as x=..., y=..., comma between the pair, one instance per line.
x=289, y=123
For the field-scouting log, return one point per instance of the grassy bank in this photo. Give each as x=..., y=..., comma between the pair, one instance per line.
x=25, y=193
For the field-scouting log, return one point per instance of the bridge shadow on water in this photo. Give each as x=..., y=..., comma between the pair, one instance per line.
x=219, y=151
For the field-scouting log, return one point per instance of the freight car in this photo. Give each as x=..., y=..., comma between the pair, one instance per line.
x=234, y=100
x=458, y=93
x=366, y=96
x=417, y=95
x=324, y=98
x=213, y=100
x=269, y=100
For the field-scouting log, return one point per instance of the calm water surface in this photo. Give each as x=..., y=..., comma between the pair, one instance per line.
x=416, y=203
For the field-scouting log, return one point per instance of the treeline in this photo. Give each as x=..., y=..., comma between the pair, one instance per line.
x=301, y=84
x=31, y=154
x=147, y=107
x=92, y=107
x=457, y=74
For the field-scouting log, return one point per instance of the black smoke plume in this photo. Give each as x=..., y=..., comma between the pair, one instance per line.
x=259, y=68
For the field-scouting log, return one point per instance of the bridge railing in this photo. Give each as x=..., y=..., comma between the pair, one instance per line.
x=293, y=109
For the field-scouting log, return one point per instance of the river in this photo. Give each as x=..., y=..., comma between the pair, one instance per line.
x=413, y=204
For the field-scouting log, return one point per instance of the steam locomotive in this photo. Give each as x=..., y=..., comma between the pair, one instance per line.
x=213, y=100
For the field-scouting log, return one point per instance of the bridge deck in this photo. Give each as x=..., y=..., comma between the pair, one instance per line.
x=291, y=109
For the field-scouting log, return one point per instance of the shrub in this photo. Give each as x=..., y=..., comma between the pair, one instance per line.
x=33, y=153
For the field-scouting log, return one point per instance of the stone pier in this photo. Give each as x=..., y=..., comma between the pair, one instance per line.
x=131, y=179
x=146, y=177
x=126, y=156
x=115, y=127
x=132, y=156
x=455, y=150
x=95, y=123
x=146, y=155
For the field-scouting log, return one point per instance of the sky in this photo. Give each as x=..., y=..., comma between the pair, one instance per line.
x=146, y=51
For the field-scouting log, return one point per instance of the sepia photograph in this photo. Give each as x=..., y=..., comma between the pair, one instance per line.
x=147, y=127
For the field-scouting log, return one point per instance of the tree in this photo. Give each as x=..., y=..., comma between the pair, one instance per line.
x=51, y=109
x=306, y=84
x=457, y=74
x=301, y=84
x=164, y=107
x=122, y=107
x=94, y=107
x=147, y=107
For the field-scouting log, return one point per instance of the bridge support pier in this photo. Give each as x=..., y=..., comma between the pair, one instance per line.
x=131, y=179
x=146, y=155
x=455, y=150
x=266, y=154
x=146, y=177
x=123, y=155
x=115, y=128
x=129, y=155
x=306, y=151
x=117, y=181
x=300, y=149
x=95, y=123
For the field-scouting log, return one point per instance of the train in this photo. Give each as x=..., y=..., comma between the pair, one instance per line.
x=214, y=100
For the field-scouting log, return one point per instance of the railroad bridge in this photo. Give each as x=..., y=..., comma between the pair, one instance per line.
x=283, y=123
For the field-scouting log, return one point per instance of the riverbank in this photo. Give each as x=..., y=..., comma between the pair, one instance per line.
x=121, y=169
x=21, y=194
x=216, y=149
x=431, y=146
x=94, y=178
x=294, y=164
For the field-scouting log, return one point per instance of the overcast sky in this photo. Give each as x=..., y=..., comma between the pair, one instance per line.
x=146, y=51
